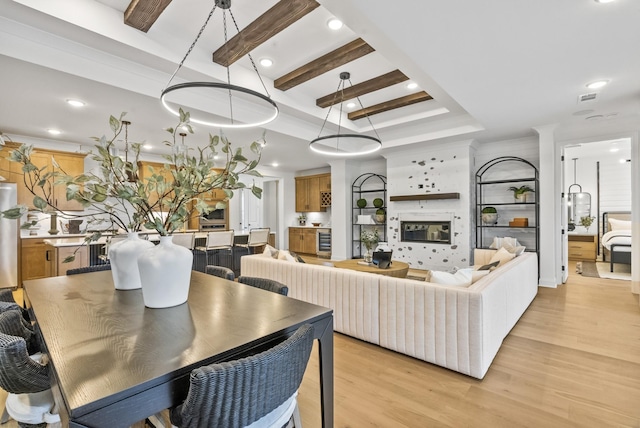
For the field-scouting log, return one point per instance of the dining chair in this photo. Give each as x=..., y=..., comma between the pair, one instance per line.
x=258, y=237
x=87, y=269
x=6, y=296
x=220, y=271
x=13, y=323
x=265, y=284
x=217, y=241
x=29, y=399
x=256, y=391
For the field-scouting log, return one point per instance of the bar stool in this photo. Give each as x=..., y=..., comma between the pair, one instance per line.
x=217, y=241
x=258, y=237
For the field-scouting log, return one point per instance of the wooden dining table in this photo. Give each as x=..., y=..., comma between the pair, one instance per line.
x=115, y=362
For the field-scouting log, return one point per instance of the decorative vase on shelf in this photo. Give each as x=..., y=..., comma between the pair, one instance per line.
x=123, y=256
x=165, y=271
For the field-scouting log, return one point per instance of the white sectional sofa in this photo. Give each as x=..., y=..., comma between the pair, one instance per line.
x=460, y=328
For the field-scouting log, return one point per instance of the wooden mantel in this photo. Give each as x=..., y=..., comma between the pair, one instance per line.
x=425, y=197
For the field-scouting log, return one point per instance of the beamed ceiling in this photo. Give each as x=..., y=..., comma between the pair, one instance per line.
x=142, y=14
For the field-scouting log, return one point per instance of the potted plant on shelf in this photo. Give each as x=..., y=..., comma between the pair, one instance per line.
x=519, y=193
x=361, y=203
x=116, y=194
x=489, y=215
x=380, y=215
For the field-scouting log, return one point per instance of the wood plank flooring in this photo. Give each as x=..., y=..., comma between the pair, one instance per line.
x=573, y=360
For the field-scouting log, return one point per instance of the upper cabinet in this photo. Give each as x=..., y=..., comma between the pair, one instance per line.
x=68, y=163
x=144, y=171
x=313, y=193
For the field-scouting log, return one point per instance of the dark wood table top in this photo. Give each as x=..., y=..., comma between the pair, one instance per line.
x=106, y=346
x=396, y=269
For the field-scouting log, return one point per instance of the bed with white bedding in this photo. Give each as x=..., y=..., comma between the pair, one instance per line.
x=616, y=237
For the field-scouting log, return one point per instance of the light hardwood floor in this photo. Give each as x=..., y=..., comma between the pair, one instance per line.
x=573, y=360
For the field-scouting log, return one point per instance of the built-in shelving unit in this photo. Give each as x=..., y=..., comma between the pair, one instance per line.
x=367, y=186
x=493, y=181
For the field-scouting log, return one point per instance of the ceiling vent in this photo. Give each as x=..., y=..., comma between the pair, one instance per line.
x=587, y=97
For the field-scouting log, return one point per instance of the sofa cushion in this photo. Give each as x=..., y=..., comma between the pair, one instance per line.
x=269, y=251
x=462, y=278
x=286, y=256
x=489, y=266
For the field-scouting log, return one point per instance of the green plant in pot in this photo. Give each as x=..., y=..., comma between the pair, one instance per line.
x=378, y=202
x=361, y=203
x=586, y=221
x=489, y=215
x=380, y=215
x=519, y=193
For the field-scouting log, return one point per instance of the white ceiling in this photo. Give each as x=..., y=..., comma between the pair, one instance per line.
x=496, y=69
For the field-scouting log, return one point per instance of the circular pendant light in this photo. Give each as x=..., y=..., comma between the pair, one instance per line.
x=340, y=144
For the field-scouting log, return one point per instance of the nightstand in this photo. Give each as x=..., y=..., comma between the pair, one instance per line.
x=582, y=247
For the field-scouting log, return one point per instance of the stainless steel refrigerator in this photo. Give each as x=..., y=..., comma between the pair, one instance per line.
x=9, y=230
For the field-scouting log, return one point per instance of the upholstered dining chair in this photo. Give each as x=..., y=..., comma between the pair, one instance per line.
x=13, y=323
x=216, y=242
x=257, y=391
x=6, y=296
x=265, y=284
x=29, y=401
x=220, y=271
x=87, y=269
x=258, y=237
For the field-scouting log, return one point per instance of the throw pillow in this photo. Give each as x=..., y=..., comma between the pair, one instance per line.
x=489, y=266
x=297, y=257
x=462, y=278
x=502, y=256
x=517, y=250
x=284, y=255
x=499, y=242
x=269, y=251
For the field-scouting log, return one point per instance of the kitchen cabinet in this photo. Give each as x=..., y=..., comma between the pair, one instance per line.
x=302, y=240
x=582, y=247
x=59, y=253
x=493, y=183
x=309, y=192
x=36, y=259
x=69, y=163
x=144, y=172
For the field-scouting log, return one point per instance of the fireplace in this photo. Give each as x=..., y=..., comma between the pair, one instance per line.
x=431, y=232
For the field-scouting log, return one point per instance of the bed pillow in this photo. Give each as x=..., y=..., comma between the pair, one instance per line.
x=462, y=278
x=502, y=256
x=615, y=224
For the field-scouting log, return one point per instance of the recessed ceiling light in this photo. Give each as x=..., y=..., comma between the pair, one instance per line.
x=147, y=146
x=604, y=1
x=216, y=157
x=613, y=149
x=351, y=105
x=266, y=62
x=54, y=132
x=597, y=84
x=623, y=161
x=334, y=24
x=274, y=164
x=76, y=103
x=412, y=85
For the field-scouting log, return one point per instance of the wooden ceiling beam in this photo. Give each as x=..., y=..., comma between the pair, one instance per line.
x=347, y=53
x=371, y=85
x=141, y=14
x=280, y=16
x=390, y=105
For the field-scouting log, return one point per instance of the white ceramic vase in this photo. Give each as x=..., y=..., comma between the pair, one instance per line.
x=123, y=256
x=165, y=271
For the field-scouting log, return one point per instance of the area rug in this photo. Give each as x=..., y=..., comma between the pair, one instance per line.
x=620, y=271
x=588, y=269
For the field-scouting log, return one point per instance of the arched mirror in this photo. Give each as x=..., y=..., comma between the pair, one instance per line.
x=579, y=202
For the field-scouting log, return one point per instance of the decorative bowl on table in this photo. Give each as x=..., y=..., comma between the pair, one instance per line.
x=316, y=224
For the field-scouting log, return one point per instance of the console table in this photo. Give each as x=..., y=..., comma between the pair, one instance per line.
x=396, y=269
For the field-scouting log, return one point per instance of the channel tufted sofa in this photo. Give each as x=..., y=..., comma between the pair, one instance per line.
x=460, y=328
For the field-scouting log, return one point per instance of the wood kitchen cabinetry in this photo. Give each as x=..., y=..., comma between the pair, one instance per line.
x=68, y=163
x=36, y=259
x=582, y=247
x=144, y=172
x=309, y=192
x=302, y=240
x=58, y=254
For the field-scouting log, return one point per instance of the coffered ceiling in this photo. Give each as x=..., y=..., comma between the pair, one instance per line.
x=485, y=71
